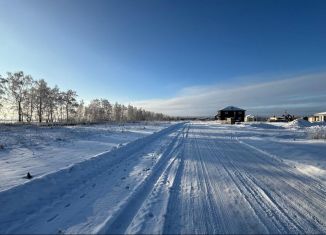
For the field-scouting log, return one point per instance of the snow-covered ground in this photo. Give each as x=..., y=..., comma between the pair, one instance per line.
x=199, y=177
x=42, y=150
x=294, y=143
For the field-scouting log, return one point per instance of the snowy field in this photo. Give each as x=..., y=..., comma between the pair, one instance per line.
x=42, y=150
x=199, y=177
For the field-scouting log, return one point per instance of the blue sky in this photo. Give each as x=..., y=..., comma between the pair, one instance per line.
x=152, y=53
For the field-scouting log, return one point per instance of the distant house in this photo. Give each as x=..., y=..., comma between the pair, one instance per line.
x=284, y=118
x=277, y=119
x=318, y=117
x=231, y=114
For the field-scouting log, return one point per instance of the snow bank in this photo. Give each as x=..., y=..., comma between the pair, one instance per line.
x=312, y=170
x=298, y=124
x=263, y=125
x=317, y=132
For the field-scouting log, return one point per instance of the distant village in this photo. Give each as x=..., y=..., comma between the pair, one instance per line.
x=232, y=115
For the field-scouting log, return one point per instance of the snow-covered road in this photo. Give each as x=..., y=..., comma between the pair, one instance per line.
x=182, y=179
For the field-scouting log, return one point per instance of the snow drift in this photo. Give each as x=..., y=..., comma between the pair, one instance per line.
x=298, y=124
x=263, y=125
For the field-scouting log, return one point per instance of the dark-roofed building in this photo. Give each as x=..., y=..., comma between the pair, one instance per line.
x=231, y=112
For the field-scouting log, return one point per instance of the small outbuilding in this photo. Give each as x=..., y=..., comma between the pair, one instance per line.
x=250, y=118
x=231, y=113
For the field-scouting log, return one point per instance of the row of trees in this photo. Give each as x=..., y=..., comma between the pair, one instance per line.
x=34, y=100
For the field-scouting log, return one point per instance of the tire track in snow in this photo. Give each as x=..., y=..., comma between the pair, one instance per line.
x=252, y=192
x=219, y=157
x=302, y=200
x=121, y=221
x=171, y=208
x=318, y=186
x=160, y=198
x=283, y=223
x=151, y=216
x=199, y=201
x=216, y=222
x=286, y=209
x=269, y=205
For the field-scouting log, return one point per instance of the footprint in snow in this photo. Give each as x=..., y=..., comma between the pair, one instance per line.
x=93, y=185
x=83, y=195
x=67, y=205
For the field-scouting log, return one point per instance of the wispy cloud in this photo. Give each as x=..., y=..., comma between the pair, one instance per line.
x=299, y=94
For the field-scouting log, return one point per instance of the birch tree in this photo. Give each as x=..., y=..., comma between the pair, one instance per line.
x=107, y=108
x=29, y=103
x=42, y=93
x=117, y=110
x=2, y=89
x=69, y=101
x=15, y=87
x=53, y=100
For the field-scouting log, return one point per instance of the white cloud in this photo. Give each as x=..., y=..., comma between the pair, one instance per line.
x=301, y=94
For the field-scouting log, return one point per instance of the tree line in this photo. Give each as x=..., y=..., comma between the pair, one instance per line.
x=35, y=101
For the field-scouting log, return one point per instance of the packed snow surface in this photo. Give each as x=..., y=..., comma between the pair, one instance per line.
x=188, y=178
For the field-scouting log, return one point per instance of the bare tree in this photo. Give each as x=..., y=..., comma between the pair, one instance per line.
x=117, y=110
x=80, y=112
x=107, y=108
x=130, y=113
x=52, y=102
x=94, y=111
x=29, y=102
x=35, y=99
x=2, y=89
x=42, y=93
x=61, y=106
x=15, y=87
x=69, y=101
